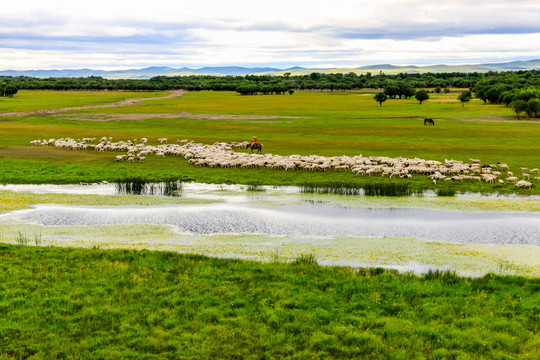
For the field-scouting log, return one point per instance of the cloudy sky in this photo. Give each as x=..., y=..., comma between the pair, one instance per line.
x=118, y=34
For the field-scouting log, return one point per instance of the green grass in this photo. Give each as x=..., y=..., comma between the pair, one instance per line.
x=26, y=100
x=339, y=123
x=91, y=303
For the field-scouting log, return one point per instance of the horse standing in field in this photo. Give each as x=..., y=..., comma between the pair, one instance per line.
x=254, y=146
x=429, y=121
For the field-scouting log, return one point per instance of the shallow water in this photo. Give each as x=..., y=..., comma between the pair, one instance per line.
x=201, y=190
x=315, y=220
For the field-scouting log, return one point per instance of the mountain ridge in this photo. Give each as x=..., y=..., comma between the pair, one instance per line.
x=151, y=71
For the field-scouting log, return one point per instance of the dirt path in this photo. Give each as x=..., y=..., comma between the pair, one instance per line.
x=174, y=94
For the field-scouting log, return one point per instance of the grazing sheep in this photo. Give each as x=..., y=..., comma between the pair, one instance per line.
x=221, y=154
x=523, y=184
x=512, y=179
x=526, y=176
x=534, y=171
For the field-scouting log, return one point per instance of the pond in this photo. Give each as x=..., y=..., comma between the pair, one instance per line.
x=471, y=234
x=316, y=220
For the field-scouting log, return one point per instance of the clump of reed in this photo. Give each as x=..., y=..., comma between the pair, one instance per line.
x=331, y=188
x=381, y=188
x=255, y=188
x=388, y=188
x=445, y=192
x=138, y=186
x=23, y=239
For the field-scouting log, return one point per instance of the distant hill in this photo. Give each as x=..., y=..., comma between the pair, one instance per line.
x=152, y=71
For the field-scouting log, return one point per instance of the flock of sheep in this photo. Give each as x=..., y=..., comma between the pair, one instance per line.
x=223, y=155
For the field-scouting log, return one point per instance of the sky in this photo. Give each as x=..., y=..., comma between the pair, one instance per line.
x=118, y=34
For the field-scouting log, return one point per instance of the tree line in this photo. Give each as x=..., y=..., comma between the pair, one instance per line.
x=520, y=93
x=266, y=83
x=519, y=90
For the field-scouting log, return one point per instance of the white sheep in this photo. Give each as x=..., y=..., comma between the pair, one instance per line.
x=523, y=184
x=503, y=166
x=512, y=179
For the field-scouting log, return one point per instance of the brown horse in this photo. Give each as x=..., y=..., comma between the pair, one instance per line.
x=429, y=121
x=254, y=146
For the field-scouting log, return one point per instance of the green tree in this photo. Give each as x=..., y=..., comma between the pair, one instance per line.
x=533, y=108
x=407, y=90
x=422, y=95
x=380, y=97
x=507, y=97
x=10, y=90
x=464, y=97
x=480, y=89
x=519, y=106
x=392, y=90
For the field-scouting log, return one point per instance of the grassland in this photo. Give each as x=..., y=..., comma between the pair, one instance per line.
x=97, y=303
x=340, y=123
x=91, y=303
x=42, y=100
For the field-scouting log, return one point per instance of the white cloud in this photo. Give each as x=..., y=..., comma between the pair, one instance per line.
x=123, y=33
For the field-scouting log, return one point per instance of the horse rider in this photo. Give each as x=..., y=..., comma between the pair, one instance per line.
x=254, y=139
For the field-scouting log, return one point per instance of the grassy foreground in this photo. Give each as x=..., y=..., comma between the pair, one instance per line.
x=91, y=303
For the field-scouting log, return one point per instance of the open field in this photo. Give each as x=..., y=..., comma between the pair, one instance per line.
x=339, y=123
x=92, y=303
x=108, y=296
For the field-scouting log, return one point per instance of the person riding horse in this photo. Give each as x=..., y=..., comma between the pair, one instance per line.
x=254, y=146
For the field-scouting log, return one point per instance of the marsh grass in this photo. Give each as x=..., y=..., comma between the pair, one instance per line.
x=255, y=188
x=388, y=188
x=445, y=192
x=372, y=188
x=23, y=239
x=138, y=186
x=331, y=188
x=93, y=303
